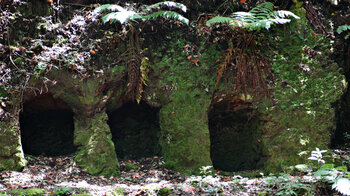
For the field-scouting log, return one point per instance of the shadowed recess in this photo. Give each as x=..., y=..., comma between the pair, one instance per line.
x=47, y=127
x=135, y=130
x=234, y=135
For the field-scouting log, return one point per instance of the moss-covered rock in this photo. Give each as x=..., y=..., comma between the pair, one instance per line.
x=185, y=138
x=308, y=81
x=96, y=152
x=24, y=192
x=11, y=153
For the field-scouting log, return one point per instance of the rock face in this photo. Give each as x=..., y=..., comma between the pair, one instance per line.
x=78, y=71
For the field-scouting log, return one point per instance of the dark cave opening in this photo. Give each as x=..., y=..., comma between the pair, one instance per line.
x=47, y=127
x=135, y=130
x=341, y=135
x=235, y=137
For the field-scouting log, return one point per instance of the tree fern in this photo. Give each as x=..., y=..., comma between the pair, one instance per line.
x=136, y=63
x=261, y=16
x=122, y=15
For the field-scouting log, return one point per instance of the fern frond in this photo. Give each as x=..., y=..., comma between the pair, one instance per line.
x=169, y=15
x=120, y=17
x=169, y=4
x=108, y=7
x=262, y=16
x=343, y=28
x=283, y=14
x=262, y=9
x=219, y=19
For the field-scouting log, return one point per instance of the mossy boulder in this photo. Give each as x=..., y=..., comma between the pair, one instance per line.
x=24, y=192
x=11, y=153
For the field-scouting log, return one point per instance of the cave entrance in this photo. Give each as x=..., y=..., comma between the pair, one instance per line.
x=135, y=130
x=235, y=137
x=47, y=127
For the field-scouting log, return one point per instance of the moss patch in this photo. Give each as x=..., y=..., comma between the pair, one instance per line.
x=307, y=83
x=11, y=154
x=184, y=122
x=96, y=152
x=24, y=192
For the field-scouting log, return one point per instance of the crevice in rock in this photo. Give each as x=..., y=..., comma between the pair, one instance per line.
x=135, y=130
x=47, y=127
x=341, y=135
x=235, y=135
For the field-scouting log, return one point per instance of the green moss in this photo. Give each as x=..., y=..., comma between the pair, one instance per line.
x=119, y=191
x=25, y=192
x=184, y=121
x=11, y=154
x=164, y=191
x=96, y=152
x=307, y=83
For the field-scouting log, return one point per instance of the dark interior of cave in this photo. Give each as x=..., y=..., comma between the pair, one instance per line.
x=235, y=140
x=47, y=127
x=135, y=130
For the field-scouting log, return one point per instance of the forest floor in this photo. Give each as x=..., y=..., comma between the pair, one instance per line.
x=147, y=176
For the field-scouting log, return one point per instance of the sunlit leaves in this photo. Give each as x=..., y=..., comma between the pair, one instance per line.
x=261, y=16
x=122, y=15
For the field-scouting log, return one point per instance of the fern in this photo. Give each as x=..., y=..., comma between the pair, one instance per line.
x=261, y=16
x=168, y=4
x=136, y=63
x=108, y=7
x=121, y=15
x=169, y=15
x=219, y=19
x=344, y=28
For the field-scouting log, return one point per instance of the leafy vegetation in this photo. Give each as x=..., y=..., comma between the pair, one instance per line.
x=134, y=58
x=244, y=64
x=261, y=16
x=344, y=28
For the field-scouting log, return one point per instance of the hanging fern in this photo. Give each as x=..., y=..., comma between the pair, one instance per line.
x=261, y=16
x=136, y=63
x=244, y=68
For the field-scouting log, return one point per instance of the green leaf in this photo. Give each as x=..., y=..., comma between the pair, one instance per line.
x=327, y=166
x=323, y=172
x=302, y=167
x=343, y=28
x=342, y=168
